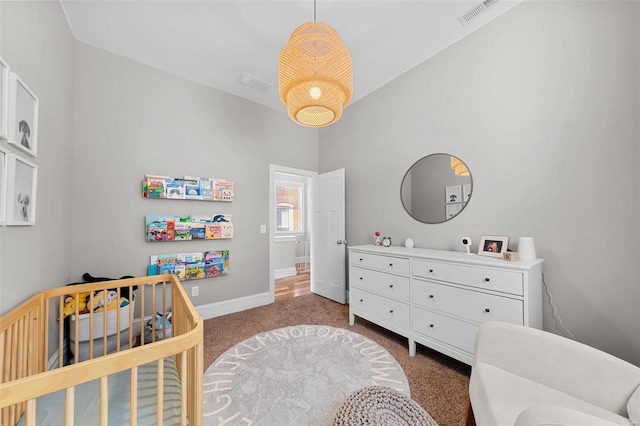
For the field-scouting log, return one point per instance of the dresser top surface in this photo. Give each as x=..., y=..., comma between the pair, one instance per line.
x=449, y=256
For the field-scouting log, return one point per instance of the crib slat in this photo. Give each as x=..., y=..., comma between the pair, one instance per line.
x=153, y=313
x=142, y=298
x=164, y=309
x=30, y=419
x=69, y=403
x=104, y=401
x=104, y=324
x=185, y=383
x=91, y=302
x=61, y=331
x=133, y=418
x=160, y=395
x=118, y=301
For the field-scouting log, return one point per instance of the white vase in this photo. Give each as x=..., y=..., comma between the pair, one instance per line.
x=526, y=248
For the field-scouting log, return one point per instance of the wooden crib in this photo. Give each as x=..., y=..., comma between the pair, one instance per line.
x=125, y=378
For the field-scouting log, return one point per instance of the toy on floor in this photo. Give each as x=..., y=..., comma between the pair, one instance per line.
x=161, y=323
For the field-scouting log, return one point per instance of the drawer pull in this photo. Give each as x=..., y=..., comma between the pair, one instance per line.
x=391, y=311
x=391, y=265
x=360, y=259
x=361, y=278
x=487, y=280
x=431, y=270
x=361, y=300
x=431, y=325
x=390, y=285
x=487, y=310
x=431, y=296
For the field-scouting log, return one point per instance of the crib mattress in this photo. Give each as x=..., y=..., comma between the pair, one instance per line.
x=50, y=408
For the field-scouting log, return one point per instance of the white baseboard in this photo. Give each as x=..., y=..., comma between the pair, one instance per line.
x=217, y=309
x=285, y=272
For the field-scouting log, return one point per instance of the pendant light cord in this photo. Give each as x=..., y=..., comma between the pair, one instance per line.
x=314, y=11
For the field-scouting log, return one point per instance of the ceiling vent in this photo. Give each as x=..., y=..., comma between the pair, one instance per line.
x=475, y=11
x=254, y=83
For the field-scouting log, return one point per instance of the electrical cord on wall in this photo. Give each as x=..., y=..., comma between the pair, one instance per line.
x=554, y=310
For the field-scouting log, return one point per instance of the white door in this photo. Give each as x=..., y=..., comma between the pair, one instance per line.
x=328, y=244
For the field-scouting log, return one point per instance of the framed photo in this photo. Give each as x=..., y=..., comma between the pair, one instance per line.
x=453, y=194
x=493, y=245
x=22, y=177
x=4, y=99
x=453, y=209
x=4, y=160
x=23, y=116
x=466, y=192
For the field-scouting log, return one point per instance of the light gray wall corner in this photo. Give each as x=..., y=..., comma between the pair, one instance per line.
x=545, y=113
x=35, y=258
x=132, y=120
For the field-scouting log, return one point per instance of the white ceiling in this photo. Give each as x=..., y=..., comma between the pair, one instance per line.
x=213, y=42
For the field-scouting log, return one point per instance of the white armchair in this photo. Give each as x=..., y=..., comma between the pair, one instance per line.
x=525, y=377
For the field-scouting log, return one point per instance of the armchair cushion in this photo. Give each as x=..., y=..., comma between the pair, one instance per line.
x=633, y=407
x=498, y=397
x=547, y=415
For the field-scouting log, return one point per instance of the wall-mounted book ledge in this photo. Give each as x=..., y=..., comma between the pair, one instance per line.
x=187, y=188
x=191, y=266
x=161, y=228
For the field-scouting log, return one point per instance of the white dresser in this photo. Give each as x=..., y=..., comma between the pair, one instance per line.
x=439, y=298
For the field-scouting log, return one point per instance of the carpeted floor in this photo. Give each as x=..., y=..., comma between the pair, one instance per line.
x=438, y=383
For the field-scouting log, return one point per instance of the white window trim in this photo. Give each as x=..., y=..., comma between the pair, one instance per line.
x=292, y=235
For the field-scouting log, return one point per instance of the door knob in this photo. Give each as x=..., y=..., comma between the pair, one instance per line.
x=343, y=242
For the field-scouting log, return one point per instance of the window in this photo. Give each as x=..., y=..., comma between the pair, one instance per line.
x=289, y=207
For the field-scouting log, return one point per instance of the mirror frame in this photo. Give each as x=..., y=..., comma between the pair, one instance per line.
x=445, y=219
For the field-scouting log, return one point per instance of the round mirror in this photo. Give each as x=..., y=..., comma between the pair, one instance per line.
x=436, y=188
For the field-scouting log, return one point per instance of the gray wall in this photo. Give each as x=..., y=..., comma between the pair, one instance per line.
x=542, y=104
x=38, y=45
x=131, y=120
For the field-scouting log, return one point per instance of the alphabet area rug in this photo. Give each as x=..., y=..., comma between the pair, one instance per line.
x=297, y=375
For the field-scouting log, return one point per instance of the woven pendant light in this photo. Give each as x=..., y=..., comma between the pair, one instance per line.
x=315, y=75
x=459, y=167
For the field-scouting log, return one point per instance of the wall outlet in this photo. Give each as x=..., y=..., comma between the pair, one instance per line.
x=263, y=229
x=195, y=290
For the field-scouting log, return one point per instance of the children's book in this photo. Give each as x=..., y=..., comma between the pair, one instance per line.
x=181, y=271
x=182, y=231
x=222, y=190
x=206, y=189
x=155, y=188
x=192, y=191
x=175, y=189
x=157, y=231
x=190, y=257
x=194, y=271
x=227, y=230
x=197, y=231
x=213, y=231
x=201, y=218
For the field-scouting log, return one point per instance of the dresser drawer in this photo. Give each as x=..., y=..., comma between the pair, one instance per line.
x=469, y=304
x=389, y=285
x=459, y=334
x=474, y=276
x=386, y=309
x=395, y=265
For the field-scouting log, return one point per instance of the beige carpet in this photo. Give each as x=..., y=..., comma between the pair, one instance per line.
x=438, y=383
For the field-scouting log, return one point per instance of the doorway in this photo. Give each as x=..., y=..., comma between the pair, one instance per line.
x=289, y=232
